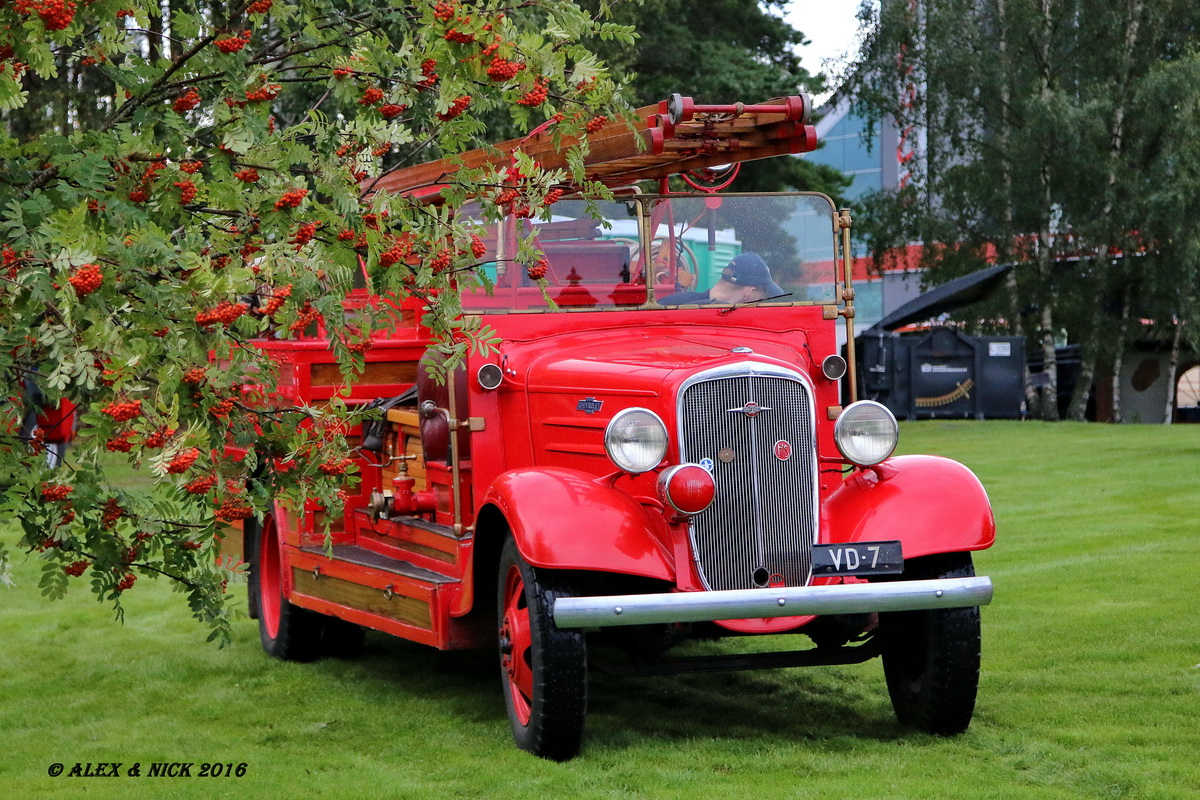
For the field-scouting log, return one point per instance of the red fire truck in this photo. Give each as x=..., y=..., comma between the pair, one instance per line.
x=648, y=456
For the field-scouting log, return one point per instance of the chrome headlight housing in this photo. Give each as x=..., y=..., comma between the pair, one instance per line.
x=866, y=433
x=636, y=440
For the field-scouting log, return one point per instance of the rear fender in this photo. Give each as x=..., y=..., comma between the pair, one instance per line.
x=931, y=504
x=564, y=519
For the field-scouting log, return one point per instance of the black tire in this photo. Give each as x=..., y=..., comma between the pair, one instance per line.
x=251, y=531
x=931, y=658
x=543, y=669
x=288, y=632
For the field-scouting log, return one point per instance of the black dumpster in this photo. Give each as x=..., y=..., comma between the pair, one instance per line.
x=944, y=374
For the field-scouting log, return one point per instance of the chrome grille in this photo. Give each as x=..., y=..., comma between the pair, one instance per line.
x=761, y=526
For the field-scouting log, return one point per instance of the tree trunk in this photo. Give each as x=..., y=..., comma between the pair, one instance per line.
x=1119, y=352
x=1045, y=257
x=1172, y=369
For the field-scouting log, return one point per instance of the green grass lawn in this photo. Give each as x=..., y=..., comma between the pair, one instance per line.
x=1090, y=686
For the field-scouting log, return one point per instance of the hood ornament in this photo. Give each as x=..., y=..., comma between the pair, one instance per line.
x=750, y=409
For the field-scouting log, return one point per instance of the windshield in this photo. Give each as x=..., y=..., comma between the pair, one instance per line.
x=661, y=252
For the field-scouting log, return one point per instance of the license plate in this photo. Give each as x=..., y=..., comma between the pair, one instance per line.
x=860, y=558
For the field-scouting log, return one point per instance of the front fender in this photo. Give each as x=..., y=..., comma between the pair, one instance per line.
x=565, y=519
x=931, y=504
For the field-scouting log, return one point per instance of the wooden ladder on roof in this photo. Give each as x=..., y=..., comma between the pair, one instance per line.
x=675, y=136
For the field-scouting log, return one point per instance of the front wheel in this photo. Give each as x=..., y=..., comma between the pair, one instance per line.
x=931, y=658
x=288, y=632
x=543, y=669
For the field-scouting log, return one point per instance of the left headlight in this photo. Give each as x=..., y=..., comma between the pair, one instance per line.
x=866, y=433
x=636, y=440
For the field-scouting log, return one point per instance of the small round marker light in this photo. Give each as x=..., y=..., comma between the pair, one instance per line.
x=833, y=367
x=489, y=376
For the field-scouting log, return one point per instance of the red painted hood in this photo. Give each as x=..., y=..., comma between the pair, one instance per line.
x=645, y=359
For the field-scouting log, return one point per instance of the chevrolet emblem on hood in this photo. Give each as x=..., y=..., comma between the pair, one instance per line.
x=751, y=409
x=589, y=405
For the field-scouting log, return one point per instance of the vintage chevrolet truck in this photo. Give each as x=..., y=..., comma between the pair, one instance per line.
x=642, y=460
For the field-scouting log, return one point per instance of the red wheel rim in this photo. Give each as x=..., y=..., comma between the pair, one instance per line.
x=515, y=645
x=270, y=582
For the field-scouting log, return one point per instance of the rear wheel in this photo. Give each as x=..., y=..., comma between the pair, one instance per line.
x=288, y=632
x=931, y=658
x=543, y=669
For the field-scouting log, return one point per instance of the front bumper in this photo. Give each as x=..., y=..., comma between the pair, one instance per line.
x=795, y=601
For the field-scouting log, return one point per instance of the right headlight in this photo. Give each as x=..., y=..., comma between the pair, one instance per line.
x=866, y=433
x=636, y=440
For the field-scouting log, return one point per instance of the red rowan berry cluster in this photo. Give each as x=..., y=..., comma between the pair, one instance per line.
x=304, y=234
x=596, y=123
x=194, y=376
x=247, y=175
x=56, y=15
x=233, y=508
x=360, y=345
x=429, y=73
x=219, y=262
x=291, y=199
x=478, y=248
x=123, y=411
x=460, y=37
x=125, y=12
x=371, y=96
x=537, y=95
x=224, y=313
x=268, y=91
x=552, y=197
x=502, y=69
x=158, y=438
x=183, y=462
x=342, y=72
x=120, y=443
x=248, y=250
x=37, y=441
x=259, y=7
x=441, y=260
x=187, y=192
x=538, y=270
x=191, y=166
x=202, y=485
x=507, y=197
x=345, y=234
x=381, y=149
x=335, y=467
x=275, y=302
x=444, y=12
x=76, y=568
x=307, y=316
x=112, y=513
x=86, y=279
x=56, y=492
x=392, y=110
x=187, y=101
x=127, y=581
x=398, y=252
x=586, y=87
x=457, y=107
x=222, y=409
x=233, y=44
x=142, y=193
x=191, y=545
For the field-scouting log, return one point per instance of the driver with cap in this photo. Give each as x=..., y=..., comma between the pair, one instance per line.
x=745, y=279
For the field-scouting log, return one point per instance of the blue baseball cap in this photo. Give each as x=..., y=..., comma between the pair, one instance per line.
x=748, y=269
